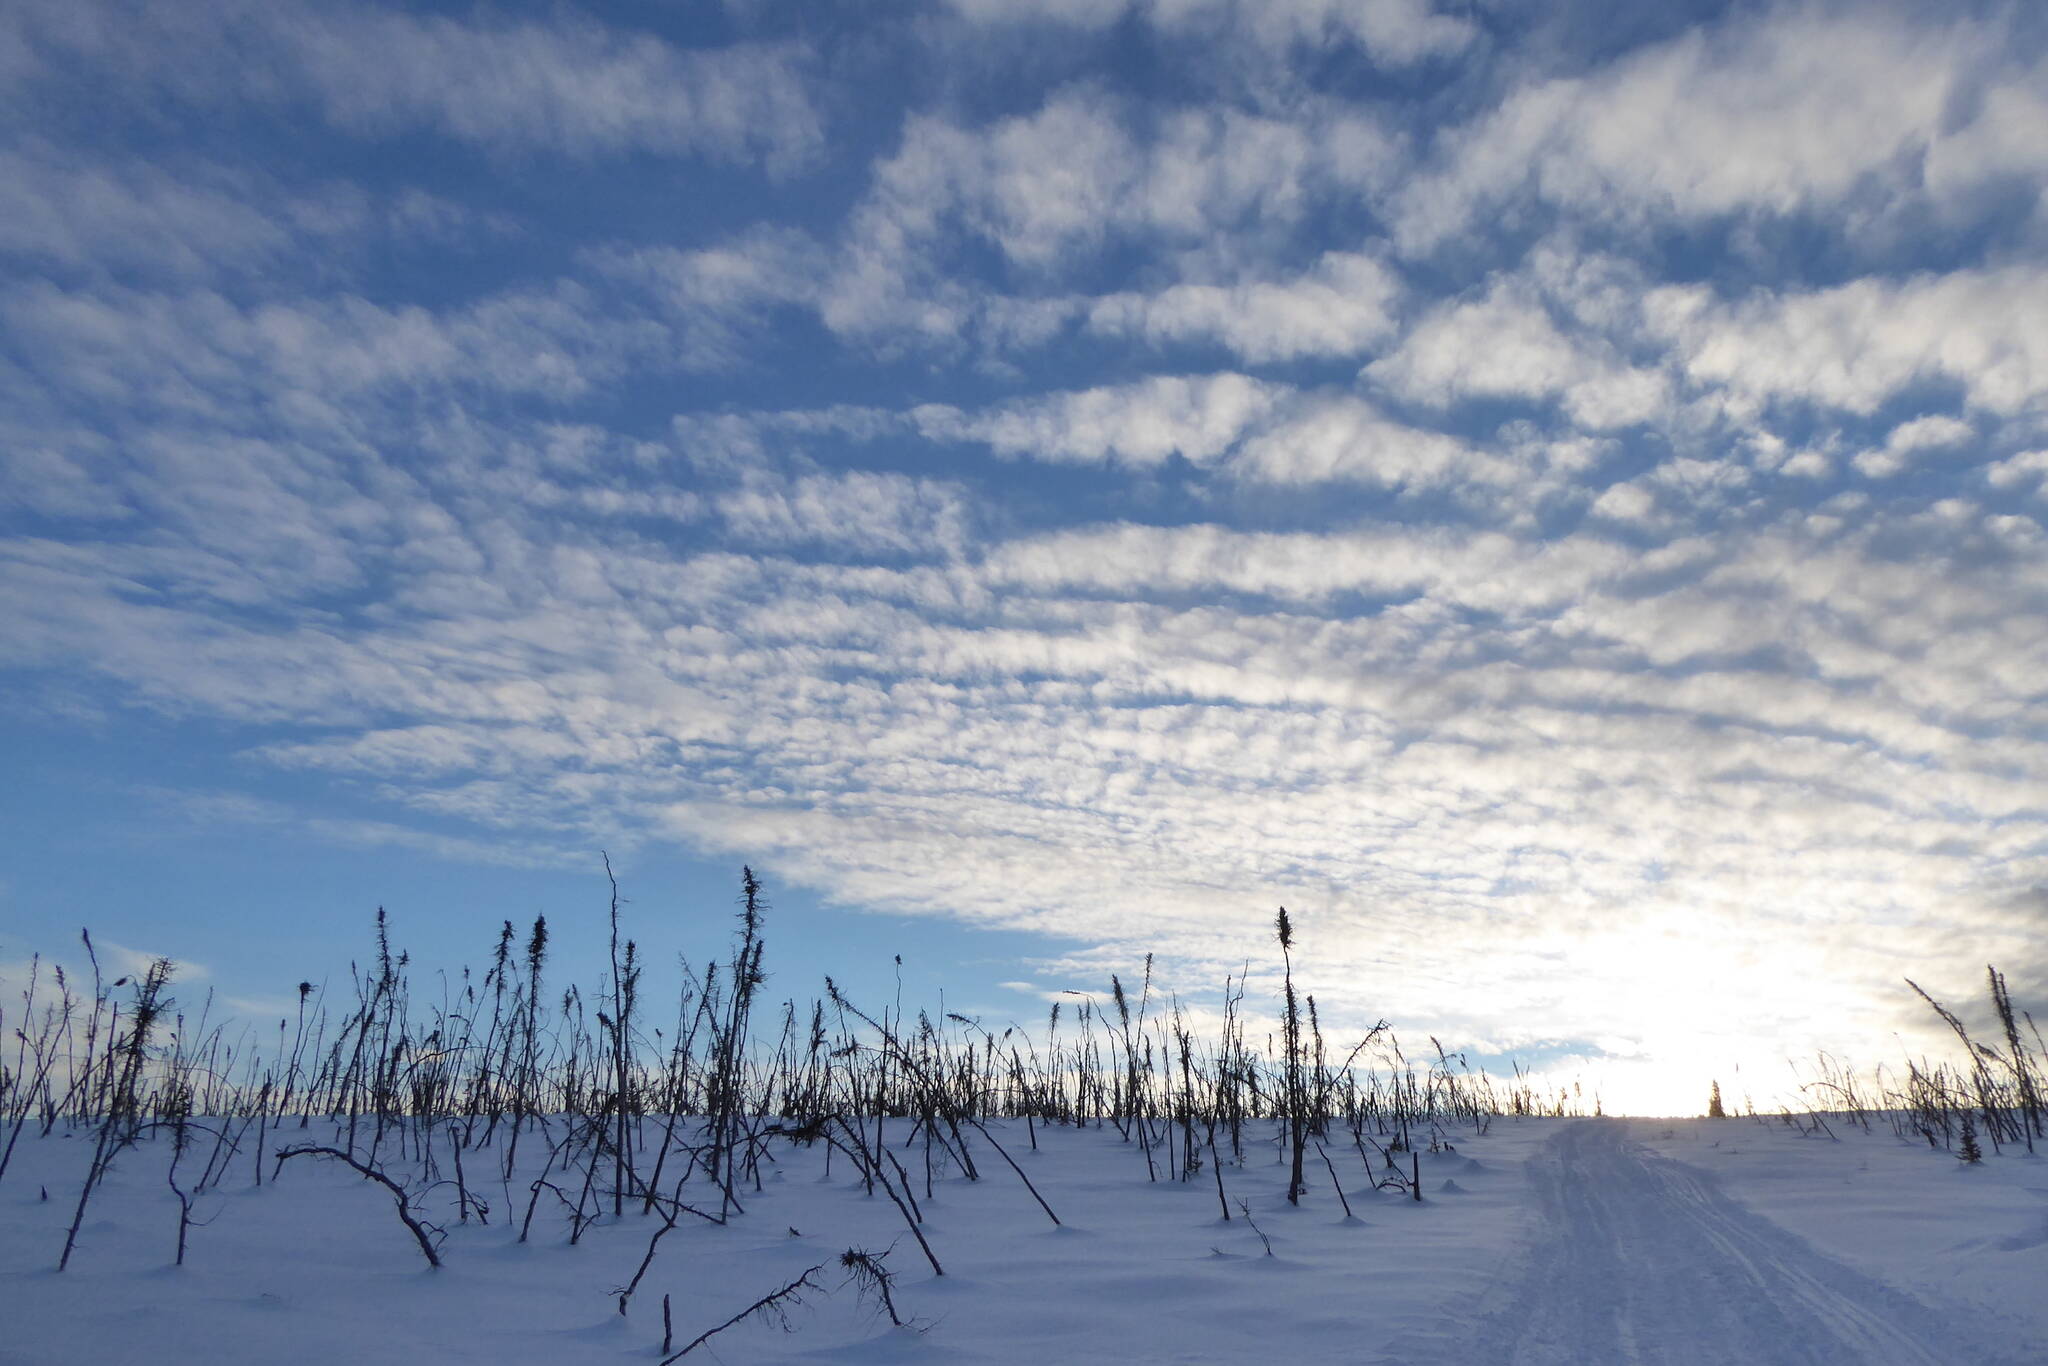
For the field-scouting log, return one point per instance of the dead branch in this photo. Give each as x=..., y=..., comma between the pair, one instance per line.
x=369, y=1173
x=770, y=1303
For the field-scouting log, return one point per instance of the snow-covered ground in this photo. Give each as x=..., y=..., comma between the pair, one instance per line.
x=1545, y=1241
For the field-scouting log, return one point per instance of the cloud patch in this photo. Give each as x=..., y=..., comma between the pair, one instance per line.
x=1475, y=486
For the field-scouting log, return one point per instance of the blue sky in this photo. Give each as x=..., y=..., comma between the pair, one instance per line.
x=1552, y=494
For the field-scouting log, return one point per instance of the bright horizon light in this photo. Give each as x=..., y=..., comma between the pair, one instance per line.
x=1554, y=497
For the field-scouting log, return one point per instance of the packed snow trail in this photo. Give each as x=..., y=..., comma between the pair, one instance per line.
x=1642, y=1260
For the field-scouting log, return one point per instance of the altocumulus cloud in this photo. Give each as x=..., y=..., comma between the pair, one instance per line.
x=1567, y=517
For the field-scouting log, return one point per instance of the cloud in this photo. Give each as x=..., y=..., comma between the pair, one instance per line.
x=1341, y=438
x=1054, y=190
x=1228, y=423
x=131, y=217
x=2028, y=467
x=1340, y=308
x=1908, y=440
x=1035, y=186
x=570, y=87
x=122, y=961
x=1505, y=738
x=1802, y=108
x=1480, y=570
x=50, y=483
x=722, y=299
x=1855, y=346
x=70, y=970
x=857, y=510
x=198, y=221
x=1628, y=502
x=1064, y=506
x=1504, y=344
x=1195, y=417
x=200, y=354
x=1393, y=33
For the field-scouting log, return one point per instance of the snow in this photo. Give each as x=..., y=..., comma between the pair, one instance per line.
x=1544, y=1241
x=1971, y=1236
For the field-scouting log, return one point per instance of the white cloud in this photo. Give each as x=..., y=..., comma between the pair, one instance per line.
x=1340, y=438
x=1092, y=14
x=1037, y=186
x=1195, y=417
x=200, y=352
x=1484, y=570
x=1340, y=308
x=1909, y=440
x=1798, y=108
x=1808, y=464
x=133, y=217
x=570, y=86
x=1854, y=346
x=600, y=539
x=857, y=510
x=1053, y=189
x=1628, y=502
x=722, y=298
x=2019, y=470
x=1505, y=744
x=1247, y=429
x=52, y=483
x=119, y=961
x=1996, y=145
x=1208, y=168
x=1085, y=166
x=1393, y=33
x=199, y=220
x=1504, y=344
x=212, y=810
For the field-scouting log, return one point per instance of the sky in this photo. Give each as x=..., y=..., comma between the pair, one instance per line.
x=1553, y=495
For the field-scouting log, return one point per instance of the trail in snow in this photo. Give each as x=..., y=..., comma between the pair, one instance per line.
x=1642, y=1261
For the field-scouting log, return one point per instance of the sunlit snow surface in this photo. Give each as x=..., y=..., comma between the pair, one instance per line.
x=1546, y=1241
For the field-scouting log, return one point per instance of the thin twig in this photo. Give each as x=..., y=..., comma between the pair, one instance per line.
x=766, y=1304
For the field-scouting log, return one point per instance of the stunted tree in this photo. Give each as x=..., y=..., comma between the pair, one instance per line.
x=122, y=1121
x=1968, y=1150
x=1295, y=1098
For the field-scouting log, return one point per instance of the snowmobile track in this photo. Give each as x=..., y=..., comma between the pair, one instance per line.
x=1642, y=1261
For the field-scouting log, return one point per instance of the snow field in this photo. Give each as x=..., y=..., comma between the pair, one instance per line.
x=315, y=1267
x=1543, y=1242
